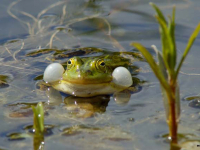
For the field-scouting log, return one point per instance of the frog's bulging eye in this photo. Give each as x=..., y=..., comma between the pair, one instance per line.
x=102, y=64
x=69, y=62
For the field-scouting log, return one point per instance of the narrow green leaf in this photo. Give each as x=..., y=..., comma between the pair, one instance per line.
x=161, y=63
x=167, y=46
x=187, y=49
x=172, y=32
x=153, y=65
x=40, y=116
x=167, y=38
x=172, y=35
x=160, y=14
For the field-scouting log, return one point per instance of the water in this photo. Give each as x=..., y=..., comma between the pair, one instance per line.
x=32, y=35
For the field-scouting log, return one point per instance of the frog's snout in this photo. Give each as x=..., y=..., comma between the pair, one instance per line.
x=88, y=72
x=53, y=72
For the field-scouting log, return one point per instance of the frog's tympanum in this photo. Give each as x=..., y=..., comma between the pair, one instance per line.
x=87, y=77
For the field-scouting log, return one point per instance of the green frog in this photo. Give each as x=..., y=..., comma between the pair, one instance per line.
x=87, y=77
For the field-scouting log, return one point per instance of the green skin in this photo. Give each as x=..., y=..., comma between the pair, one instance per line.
x=88, y=71
x=86, y=77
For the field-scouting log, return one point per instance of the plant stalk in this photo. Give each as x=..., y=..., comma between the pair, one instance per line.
x=172, y=123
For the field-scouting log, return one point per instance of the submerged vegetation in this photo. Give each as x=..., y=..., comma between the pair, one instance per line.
x=167, y=68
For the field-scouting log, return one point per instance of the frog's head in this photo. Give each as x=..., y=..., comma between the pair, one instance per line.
x=87, y=71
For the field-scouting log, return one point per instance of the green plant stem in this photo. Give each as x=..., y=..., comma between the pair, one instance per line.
x=172, y=123
x=173, y=127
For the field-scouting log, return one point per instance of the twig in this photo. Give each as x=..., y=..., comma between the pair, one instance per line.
x=10, y=53
x=51, y=39
x=14, y=54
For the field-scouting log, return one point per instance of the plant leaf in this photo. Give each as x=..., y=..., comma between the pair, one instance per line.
x=160, y=14
x=153, y=65
x=167, y=45
x=167, y=38
x=161, y=63
x=40, y=112
x=172, y=35
x=187, y=49
x=38, y=118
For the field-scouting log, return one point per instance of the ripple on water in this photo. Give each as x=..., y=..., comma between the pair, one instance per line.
x=128, y=110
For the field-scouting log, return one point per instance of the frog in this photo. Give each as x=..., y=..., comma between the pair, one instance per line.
x=90, y=76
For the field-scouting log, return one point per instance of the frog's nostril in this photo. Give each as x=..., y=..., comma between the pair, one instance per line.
x=88, y=72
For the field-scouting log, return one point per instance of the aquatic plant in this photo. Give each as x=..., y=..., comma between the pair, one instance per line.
x=38, y=126
x=167, y=68
x=38, y=129
x=38, y=118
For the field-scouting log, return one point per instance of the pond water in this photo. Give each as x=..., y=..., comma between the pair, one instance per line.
x=37, y=33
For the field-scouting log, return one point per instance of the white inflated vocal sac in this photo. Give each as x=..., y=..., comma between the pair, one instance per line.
x=53, y=72
x=122, y=77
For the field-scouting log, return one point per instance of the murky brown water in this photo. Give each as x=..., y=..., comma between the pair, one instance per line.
x=37, y=33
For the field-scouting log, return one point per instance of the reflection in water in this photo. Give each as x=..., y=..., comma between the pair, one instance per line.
x=38, y=142
x=54, y=96
x=79, y=106
x=122, y=97
x=76, y=106
x=85, y=107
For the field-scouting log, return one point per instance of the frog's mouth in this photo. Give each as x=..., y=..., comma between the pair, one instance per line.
x=86, y=90
x=84, y=80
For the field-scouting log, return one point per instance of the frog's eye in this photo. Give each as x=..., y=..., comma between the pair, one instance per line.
x=70, y=63
x=102, y=64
